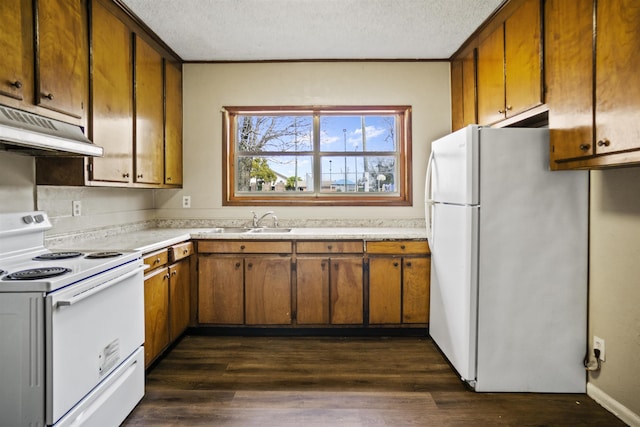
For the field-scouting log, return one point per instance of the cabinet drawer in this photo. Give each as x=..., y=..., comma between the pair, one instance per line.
x=243, y=246
x=181, y=250
x=156, y=259
x=414, y=247
x=335, y=246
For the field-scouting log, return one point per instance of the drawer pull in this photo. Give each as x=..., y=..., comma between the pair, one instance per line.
x=329, y=247
x=242, y=247
x=403, y=247
x=157, y=261
x=185, y=251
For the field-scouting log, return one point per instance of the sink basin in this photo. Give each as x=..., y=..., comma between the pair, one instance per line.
x=270, y=230
x=229, y=230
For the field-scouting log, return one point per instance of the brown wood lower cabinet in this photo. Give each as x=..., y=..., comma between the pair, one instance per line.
x=329, y=283
x=313, y=283
x=167, y=298
x=398, y=282
x=244, y=282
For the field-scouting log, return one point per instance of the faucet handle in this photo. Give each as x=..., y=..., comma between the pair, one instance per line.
x=275, y=221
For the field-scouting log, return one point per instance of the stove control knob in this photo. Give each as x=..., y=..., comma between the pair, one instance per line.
x=27, y=219
x=39, y=218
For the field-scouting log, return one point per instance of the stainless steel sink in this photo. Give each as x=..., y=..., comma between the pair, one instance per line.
x=229, y=230
x=270, y=230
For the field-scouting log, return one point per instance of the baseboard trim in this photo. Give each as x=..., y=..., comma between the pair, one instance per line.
x=613, y=406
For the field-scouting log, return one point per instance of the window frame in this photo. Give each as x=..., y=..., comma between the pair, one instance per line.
x=403, y=196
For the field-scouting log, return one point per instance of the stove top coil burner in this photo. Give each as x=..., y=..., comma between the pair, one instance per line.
x=98, y=255
x=37, y=273
x=58, y=255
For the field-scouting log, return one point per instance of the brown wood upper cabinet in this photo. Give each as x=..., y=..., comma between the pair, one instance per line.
x=509, y=64
x=62, y=59
x=12, y=45
x=112, y=100
x=149, y=141
x=173, y=123
x=593, y=119
x=463, y=90
x=138, y=123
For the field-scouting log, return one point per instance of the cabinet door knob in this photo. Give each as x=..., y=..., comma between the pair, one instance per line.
x=140, y=175
x=125, y=175
x=500, y=111
x=17, y=84
x=168, y=178
x=408, y=264
x=604, y=143
x=48, y=96
x=509, y=108
x=585, y=147
x=237, y=265
x=166, y=276
x=395, y=264
x=249, y=265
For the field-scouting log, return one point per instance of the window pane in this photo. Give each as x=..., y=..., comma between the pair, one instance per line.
x=257, y=133
x=358, y=133
x=364, y=174
x=274, y=173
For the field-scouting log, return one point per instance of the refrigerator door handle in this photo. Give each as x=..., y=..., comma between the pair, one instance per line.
x=428, y=201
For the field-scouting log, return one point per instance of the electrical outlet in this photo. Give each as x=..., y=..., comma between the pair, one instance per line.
x=76, y=208
x=599, y=344
x=186, y=201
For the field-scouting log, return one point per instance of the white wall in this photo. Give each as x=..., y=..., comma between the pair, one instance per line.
x=209, y=87
x=614, y=293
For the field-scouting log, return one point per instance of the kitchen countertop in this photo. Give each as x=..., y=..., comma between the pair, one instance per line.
x=149, y=240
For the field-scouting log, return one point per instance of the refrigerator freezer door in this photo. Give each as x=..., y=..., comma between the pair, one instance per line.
x=454, y=169
x=453, y=307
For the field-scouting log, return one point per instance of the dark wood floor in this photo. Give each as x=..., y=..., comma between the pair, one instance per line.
x=296, y=381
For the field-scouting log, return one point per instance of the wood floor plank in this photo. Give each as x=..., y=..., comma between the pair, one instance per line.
x=345, y=382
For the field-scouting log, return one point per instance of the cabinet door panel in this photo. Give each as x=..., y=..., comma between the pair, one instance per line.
x=617, y=83
x=457, y=99
x=569, y=77
x=149, y=143
x=491, y=78
x=523, y=84
x=415, y=291
x=469, y=84
x=112, y=88
x=156, y=310
x=179, y=298
x=12, y=77
x=385, y=282
x=268, y=290
x=312, y=291
x=62, y=56
x=221, y=290
x=346, y=291
x=173, y=125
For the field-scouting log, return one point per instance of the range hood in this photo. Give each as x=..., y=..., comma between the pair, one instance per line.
x=27, y=133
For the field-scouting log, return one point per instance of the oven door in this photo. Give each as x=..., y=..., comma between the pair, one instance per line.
x=92, y=327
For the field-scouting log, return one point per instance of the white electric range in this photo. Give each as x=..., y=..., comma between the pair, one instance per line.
x=71, y=327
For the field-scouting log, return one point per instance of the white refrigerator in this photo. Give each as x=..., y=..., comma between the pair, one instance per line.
x=509, y=254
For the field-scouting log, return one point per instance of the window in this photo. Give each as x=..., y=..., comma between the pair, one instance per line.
x=317, y=155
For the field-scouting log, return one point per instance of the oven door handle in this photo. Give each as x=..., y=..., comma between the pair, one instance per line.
x=99, y=288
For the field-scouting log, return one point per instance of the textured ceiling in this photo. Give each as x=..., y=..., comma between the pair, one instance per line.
x=254, y=30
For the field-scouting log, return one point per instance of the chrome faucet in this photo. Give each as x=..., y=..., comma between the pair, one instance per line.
x=256, y=220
